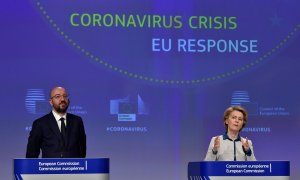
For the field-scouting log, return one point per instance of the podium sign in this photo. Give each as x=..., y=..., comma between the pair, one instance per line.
x=241, y=170
x=62, y=169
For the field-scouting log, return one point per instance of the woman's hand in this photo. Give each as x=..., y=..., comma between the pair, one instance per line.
x=245, y=143
x=216, y=144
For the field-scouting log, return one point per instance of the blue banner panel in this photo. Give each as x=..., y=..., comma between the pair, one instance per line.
x=238, y=168
x=61, y=166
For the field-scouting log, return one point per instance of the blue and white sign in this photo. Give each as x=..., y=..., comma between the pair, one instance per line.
x=75, y=169
x=228, y=170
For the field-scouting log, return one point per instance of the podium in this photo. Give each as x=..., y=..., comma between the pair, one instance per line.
x=241, y=170
x=61, y=169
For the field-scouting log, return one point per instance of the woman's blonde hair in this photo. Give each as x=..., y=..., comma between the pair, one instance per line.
x=229, y=110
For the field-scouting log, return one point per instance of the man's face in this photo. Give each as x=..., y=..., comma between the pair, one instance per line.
x=59, y=100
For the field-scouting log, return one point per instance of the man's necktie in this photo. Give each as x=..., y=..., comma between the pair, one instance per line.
x=63, y=131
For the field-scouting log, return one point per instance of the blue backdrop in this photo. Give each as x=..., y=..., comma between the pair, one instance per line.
x=152, y=79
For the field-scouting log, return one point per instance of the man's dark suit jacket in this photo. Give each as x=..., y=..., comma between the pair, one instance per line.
x=45, y=135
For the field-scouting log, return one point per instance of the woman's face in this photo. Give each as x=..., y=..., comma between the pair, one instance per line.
x=235, y=121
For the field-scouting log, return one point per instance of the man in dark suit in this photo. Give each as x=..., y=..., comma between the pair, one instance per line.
x=58, y=134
